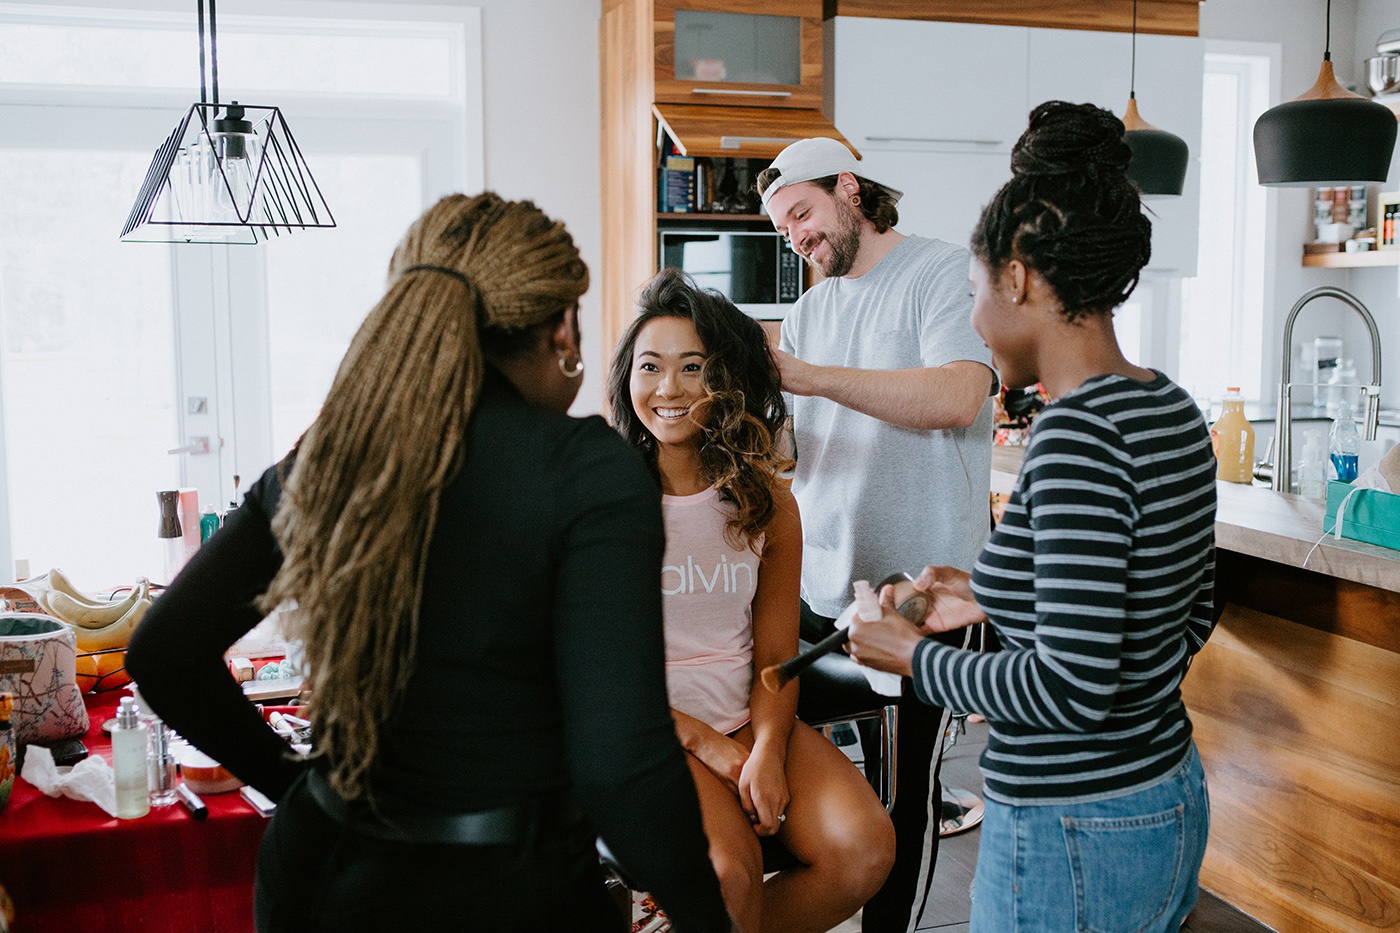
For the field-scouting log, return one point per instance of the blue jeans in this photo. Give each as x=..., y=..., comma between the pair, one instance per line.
x=1125, y=865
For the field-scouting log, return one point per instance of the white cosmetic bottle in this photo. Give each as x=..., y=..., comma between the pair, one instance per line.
x=129, y=762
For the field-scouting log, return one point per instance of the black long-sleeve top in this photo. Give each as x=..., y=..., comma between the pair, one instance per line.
x=539, y=666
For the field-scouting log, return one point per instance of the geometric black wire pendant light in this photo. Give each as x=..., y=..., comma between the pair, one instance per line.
x=228, y=173
x=1327, y=136
x=1158, y=165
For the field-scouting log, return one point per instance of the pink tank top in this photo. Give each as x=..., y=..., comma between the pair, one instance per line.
x=707, y=587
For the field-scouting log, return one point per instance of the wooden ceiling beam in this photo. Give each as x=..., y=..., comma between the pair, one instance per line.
x=1165, y=17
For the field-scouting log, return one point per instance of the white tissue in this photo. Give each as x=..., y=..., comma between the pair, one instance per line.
x=882, y=682
x=1372, y=479
x=90, y=779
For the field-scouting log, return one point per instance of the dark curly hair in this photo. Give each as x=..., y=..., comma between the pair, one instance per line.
x=1069, y=212
x=744, y=408
x=876, y=202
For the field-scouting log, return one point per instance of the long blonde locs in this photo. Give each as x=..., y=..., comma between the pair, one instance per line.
x=359, y=505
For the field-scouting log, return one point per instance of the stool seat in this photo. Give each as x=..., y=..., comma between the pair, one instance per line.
x=845, y=692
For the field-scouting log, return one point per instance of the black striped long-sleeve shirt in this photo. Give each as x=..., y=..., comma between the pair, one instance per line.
x=1099, y=583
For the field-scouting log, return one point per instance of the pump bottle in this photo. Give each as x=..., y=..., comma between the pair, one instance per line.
x=129, y=738
x=1311, y=470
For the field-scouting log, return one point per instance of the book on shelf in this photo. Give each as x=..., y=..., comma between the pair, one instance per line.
x=677, y=186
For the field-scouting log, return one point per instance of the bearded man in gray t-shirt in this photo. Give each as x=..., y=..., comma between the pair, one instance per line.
x=892, y=420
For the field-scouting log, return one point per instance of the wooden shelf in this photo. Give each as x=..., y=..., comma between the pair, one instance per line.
x=1167, y=17
x=696, y=215
x=731, y=132
x=1374, y=257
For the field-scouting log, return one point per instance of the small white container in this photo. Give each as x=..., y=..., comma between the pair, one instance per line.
x=1334, y=233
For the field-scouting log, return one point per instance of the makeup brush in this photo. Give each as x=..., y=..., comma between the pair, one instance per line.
x=913, y=605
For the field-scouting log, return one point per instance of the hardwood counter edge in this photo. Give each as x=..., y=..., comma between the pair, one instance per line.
x=1271, y=525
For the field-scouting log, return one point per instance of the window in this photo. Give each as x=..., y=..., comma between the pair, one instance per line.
x=113, y=353
x=1222, y=319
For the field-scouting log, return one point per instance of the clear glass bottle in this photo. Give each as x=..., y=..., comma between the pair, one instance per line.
x=1311, y=470
x=1345, y=448
x=129, y=762
x=1232, y=436
x=160, y=766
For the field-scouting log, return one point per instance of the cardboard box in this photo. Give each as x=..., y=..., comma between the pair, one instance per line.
x=1371, y=515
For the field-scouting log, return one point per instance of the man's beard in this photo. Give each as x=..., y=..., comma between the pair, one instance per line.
x=844, y=242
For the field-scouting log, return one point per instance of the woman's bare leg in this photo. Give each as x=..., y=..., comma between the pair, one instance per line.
x=838, y=828
x=734, y=849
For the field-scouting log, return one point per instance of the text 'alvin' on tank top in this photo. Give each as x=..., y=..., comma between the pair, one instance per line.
x=691, y=578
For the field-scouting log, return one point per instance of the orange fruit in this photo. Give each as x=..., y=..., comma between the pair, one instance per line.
x=101, y=672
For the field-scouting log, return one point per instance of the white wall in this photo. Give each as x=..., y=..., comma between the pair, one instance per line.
x=540, y=81
x=1379, y=289
x=1298, y=27
x=542, y=132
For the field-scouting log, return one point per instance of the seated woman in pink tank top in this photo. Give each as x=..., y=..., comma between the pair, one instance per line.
x=694, y=388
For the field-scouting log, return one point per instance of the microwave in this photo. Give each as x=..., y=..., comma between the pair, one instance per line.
x=756, y=270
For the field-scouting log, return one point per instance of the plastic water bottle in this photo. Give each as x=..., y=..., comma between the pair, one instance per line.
x=1339, y=385
x=1346, y=445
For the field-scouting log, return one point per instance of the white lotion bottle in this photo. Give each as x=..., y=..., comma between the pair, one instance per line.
x=129, y=762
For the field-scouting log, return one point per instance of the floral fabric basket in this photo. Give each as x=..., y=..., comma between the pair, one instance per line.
x=38, y=664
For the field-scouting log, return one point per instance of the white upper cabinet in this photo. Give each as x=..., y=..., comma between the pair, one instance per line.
x=1096, y=67
x=953, y=87
x=944, y=192
x=935, y=108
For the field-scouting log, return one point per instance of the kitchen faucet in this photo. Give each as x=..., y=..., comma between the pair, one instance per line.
x=1283, y=427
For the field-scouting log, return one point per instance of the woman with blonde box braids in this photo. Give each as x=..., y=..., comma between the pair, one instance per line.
x=462, y=562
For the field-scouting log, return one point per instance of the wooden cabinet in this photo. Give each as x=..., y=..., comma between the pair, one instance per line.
x=743, y=52
x=735, y=95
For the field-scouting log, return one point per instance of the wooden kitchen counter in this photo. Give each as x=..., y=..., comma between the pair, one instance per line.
x=1281, y=528
x=1296, y=706
x=1295, y=703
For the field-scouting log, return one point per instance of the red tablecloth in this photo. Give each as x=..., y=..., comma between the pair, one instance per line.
x=70, y=867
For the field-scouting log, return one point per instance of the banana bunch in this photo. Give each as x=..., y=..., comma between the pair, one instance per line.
x=99, y=624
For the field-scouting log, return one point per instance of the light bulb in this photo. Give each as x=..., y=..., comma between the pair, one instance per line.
x=236, y=151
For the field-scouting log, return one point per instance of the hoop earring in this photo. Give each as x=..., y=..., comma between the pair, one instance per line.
x=570, y=370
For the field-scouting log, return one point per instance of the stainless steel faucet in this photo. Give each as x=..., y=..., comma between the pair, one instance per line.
x=1283, y=426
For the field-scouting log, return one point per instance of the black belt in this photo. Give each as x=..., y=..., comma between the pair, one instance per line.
x=500, y=826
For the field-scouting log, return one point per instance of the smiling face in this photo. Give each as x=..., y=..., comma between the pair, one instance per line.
x=666, y=386
x=1005, y=326
x=823, y=227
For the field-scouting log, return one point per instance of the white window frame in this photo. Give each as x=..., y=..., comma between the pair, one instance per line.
x=220, y=303
x=1256, y=208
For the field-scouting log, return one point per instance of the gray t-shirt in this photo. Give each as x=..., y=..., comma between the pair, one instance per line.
x=877, y=498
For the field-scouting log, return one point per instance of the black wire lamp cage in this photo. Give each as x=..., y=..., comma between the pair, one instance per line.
x=228, y=173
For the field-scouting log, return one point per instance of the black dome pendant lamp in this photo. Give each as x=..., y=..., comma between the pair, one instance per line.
x=1158, y=165
x=1326, y=136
